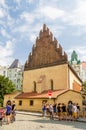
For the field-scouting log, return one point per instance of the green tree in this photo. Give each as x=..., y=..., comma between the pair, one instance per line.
x=6, y=87
x=84, y=86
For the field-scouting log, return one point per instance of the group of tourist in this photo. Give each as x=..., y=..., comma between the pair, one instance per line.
x=61, y=111
x=8, y=113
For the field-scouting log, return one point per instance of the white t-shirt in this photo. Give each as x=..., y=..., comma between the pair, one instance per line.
x=74, y=108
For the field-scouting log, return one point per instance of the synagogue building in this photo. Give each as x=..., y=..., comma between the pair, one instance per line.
x=47, y=71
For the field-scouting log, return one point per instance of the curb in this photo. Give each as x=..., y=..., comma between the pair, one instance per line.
x=84, y=121
x=29, y=113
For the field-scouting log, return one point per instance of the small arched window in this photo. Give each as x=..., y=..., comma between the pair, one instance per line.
x=51, y=82
x=34, y=86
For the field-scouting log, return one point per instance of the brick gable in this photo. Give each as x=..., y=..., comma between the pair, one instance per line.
x=46, y=51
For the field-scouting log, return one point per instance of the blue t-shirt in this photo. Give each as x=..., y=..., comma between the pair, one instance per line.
x=44, y=108
x=8, y=109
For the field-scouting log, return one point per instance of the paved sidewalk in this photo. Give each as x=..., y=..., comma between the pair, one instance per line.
x=24, y=121
x=40, y=114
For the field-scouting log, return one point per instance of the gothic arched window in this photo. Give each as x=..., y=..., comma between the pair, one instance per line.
x=34, y=86
x=51, y=83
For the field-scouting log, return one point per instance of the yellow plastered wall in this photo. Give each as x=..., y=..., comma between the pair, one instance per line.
x=59, y=75
x=37, y=105
x=75, y=97
x=72, y=77
x=10, y=97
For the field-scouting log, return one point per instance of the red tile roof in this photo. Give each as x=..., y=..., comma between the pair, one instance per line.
x=31, y=95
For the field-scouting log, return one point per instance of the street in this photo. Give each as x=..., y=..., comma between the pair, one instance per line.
x=30, y=122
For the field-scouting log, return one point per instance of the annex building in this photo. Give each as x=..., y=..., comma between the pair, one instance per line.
x=47, y=69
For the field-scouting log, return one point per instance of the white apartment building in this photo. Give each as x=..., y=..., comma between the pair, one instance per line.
x=15, y=72
x=3, y=70
x=78, y=66
x=81, y=70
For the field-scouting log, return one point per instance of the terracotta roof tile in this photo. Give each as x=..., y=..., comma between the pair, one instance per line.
x=30, y=95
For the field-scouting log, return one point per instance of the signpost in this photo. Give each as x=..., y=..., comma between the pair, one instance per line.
x=50, y=93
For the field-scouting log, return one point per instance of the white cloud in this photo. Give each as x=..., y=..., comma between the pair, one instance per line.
x=23, y=29
x=4, y=33
x=7, y=49
x=2, y=12
x=18, y=2
x=2, y=3
x=30, y=1
x=32, y=37
x=6, y=53
x=80, y=50
x=52, y=12
x=5, y=18
x=28, y=17
x=84, y=57
x=78, y=15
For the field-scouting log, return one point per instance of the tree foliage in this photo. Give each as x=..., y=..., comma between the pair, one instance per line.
x=6, y=87
x=84, y=86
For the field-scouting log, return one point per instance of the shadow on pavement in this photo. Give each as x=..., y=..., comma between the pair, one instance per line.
x=74, y=124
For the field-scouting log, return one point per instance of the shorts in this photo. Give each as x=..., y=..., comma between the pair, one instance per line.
x=7, y=114
x=64, y=113
x=75, y=114
x=70, y=113
x=59, y=113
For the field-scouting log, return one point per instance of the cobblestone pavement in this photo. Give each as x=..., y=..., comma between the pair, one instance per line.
x=30, y=122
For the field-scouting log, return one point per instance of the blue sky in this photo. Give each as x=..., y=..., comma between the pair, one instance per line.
x=21, y=21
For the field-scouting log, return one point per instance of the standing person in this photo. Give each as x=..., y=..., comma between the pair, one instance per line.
x=55, y=109
x=70, y=108
x=44, y=109
x=8, y=111
x=78, y=110
x=47, y=109
x=64, y=112
x=74, y=111
x=13, y=111
x=1, y=116
x=51, y=111
x=59, y=109
x=84, y=107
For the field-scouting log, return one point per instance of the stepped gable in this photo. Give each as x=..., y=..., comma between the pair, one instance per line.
x=45, y=52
